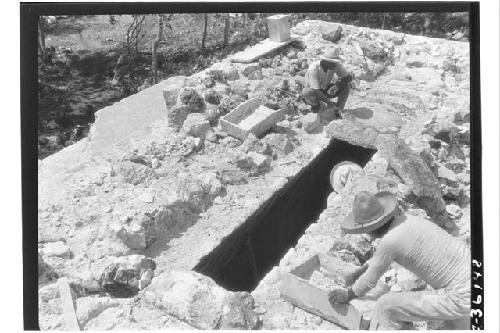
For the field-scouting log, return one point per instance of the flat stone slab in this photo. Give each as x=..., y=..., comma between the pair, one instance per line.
x=380, y=117
x=258, y=50
x=116, y=122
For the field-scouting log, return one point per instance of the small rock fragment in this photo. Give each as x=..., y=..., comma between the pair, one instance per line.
x=57, y=249
x=212, y=97
x=192, y=100
x=310, y=122
x=454, y=211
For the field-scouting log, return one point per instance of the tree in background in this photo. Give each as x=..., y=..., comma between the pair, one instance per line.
x=226, y=31
x=41, y=36
x=134, y=33
x=163, y=21
x=203, y=40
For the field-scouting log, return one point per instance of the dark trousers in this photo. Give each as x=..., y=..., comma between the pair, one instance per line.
x=342, y=93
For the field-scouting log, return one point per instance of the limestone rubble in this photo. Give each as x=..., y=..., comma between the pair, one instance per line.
x=141, y=201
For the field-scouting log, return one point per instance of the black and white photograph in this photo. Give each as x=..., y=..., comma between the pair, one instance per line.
x=254, y=166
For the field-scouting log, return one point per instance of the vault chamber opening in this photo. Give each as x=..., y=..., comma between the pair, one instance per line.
x=244, y=257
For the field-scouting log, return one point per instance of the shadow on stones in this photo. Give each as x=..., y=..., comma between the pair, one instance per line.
x=243, y=258
x=361, y=113
x=283, y=130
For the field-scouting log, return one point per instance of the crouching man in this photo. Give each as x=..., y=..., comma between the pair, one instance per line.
x=318, y=81
x=421, y=247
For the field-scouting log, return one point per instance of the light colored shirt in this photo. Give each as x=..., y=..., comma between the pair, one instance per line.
x=316, y=78
x=424, y=249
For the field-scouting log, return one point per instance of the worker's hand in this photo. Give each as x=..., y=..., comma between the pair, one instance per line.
x=351, y=277
x=338, y=295
x=333, y=105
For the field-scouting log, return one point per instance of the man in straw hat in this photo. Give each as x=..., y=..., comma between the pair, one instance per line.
x=319, y=81
x=419, y=246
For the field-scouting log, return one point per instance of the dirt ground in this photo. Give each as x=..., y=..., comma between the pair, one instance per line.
x=84, y=50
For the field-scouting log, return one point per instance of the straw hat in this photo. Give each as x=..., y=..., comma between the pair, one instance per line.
x=370, y=212
x=332, y=55
x=341, y=173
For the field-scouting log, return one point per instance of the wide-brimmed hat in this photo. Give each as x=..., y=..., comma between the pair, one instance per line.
x=339, y=170
x=332, y=55
x=370, y=212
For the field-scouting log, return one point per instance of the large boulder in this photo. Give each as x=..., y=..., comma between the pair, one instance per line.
x=333, y=35
x=192, y=100
x=196, y=125
x=45, y=272
x=414, y=172
x=89, y=307
x=373, y=50
x=280, y=143
x=252, y=143
x=126, y=275
x=131, y=231
x=57, y=249
x=310, y=122
x=229, y=102
x=177, y=115
x=254, y=162
x=212, y=97
x=352, y=132
x=199, y=301
x=253, y=72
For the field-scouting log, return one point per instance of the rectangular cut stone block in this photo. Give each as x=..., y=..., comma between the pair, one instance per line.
x=266, y=46
x=250, y=117
x=296, y=289
x=279, y=30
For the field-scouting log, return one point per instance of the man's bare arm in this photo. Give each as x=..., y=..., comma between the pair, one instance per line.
x=354, y=275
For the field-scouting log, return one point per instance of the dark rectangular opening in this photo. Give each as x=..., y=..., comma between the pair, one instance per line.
x=243, y=258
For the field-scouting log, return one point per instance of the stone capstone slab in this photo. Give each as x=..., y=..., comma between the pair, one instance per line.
x=351, y=132
x=134, y=113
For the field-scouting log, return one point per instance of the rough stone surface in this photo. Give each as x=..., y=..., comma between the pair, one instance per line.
x=124, y=274
x=333, y=35
x=45, y=271
x=57, y=249
x=229, y=102
x=212, y=97
x=197, y=300
x=310, y=122
x=197, y=125
x=89, y=191
x=352, y=132
x=192, y=99
x=240, y=88
x=417, y=175
x=178, y=114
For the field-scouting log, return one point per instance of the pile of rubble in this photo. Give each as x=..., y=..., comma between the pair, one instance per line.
x=114, y=221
